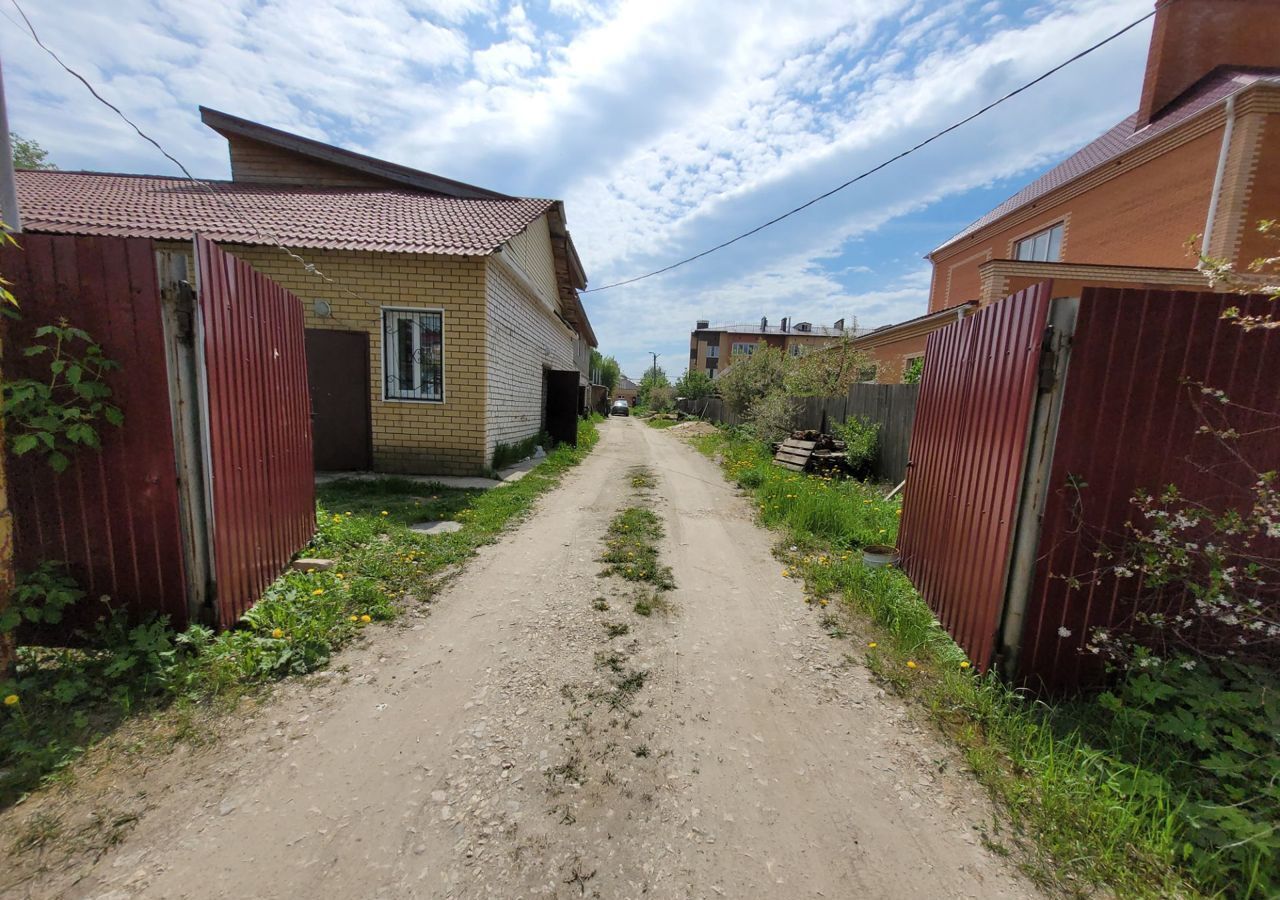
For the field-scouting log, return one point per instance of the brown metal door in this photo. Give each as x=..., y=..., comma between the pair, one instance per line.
x=338, y=372
x=562, y=407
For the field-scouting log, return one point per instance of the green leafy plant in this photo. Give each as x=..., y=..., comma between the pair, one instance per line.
x=63, y=411
x=913, y=371
x=862, y=442
x=40, y=597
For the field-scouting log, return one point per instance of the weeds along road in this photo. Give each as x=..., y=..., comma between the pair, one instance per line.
x=522, y=742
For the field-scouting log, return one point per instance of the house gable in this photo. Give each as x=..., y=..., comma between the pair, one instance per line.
x=263, y=163
x=230, y=126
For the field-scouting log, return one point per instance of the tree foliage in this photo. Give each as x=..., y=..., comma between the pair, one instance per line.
x=654, y=386
x=27, y=154
x=606, y=369
x=695, y=385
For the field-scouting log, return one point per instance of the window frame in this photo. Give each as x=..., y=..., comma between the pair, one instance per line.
x=713, y=351
x=749, y=347
x=1047, y=233
x=382, y=324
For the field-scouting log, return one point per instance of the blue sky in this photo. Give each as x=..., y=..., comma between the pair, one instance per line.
x=665, y=125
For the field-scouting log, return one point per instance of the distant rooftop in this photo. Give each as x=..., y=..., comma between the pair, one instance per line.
x=800, y=328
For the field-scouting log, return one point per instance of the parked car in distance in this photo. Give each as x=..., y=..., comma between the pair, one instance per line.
x=620, y=408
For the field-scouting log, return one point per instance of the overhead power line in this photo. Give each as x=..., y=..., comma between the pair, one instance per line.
x=265, y=236
x=905, y=153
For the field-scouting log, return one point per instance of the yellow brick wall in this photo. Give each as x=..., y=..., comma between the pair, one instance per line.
x=408, y=436
x=525, y=339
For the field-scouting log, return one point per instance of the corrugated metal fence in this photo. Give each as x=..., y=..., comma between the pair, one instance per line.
x=112, y=515
x=1038, y=423
x=1129, y=421
x=259, y=427
x=891, y=406
x=967, y=454
x=117, y=516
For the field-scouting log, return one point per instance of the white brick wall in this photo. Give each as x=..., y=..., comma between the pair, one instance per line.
x=524, y=339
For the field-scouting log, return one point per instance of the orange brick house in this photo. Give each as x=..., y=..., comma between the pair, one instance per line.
x=448, y=319
x=1199, y=157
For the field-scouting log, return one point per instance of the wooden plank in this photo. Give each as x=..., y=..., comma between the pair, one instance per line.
x=798, y=444
x=786, y=465
x=788, y=458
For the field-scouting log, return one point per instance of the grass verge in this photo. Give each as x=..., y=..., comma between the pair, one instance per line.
x=62, y=700
x=1095, y=819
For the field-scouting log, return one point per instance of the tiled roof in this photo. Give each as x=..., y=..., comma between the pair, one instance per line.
x=1122, y=139
x=391, y=220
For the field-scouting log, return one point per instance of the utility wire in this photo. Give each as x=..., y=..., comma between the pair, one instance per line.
x=905, y=153
x=266, y=237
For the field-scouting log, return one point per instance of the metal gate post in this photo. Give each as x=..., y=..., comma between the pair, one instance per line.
x=1032, y=493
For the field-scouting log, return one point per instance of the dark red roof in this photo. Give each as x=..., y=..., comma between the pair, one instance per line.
x=390, y=220
x=1122, y=138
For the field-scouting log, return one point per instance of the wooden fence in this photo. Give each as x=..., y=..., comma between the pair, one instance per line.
x=891, y=406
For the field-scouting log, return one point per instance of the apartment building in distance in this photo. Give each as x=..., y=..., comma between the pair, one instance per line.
x=712, y=349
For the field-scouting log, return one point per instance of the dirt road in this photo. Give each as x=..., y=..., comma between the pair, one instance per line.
x=483, y=753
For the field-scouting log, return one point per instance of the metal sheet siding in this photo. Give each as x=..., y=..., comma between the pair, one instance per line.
x=261, y=475
x=113, y=514
x=1128, y=424
x=968, y=448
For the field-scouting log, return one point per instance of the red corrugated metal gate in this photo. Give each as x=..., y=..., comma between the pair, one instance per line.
x=967, y=451
x=201, y=498
x=112, y=516
x=1038, y=422
x=260, y=472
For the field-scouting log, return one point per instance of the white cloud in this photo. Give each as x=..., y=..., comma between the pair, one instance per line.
x=666, y=125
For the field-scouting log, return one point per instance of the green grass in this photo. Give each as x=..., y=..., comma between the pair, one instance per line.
x=67, y=698
x=660, y=423
x=846, y=514
x=631, y=548
x=507, y=454
x=1097, y=821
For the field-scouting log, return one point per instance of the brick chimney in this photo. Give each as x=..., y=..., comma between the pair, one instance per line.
x=1191, y=38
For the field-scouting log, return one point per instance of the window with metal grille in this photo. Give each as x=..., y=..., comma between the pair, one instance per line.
x=413, y=354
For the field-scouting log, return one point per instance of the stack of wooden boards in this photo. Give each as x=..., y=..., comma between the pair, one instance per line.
x=811, y=451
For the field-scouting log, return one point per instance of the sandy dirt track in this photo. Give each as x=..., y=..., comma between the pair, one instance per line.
x=477, y=753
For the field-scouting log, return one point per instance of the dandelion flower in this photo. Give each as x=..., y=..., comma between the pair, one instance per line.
x=277, y=633
x=317, y=592
x=11, y=700
x=366, y=618
x=873, y=645
x=352, y=619
x=911, y=664
x=339, y=575
x=385, y=513
x=965, y=664
x=347, y=513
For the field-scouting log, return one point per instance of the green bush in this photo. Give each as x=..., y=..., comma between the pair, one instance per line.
x=508, y=454
x=862, y=443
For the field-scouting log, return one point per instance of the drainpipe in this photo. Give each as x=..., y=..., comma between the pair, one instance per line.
x=1219, y=175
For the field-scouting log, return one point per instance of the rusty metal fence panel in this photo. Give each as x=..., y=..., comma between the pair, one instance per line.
x=261, y=478
x=1128, y=423
x=113, y=514
x=968, y=449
